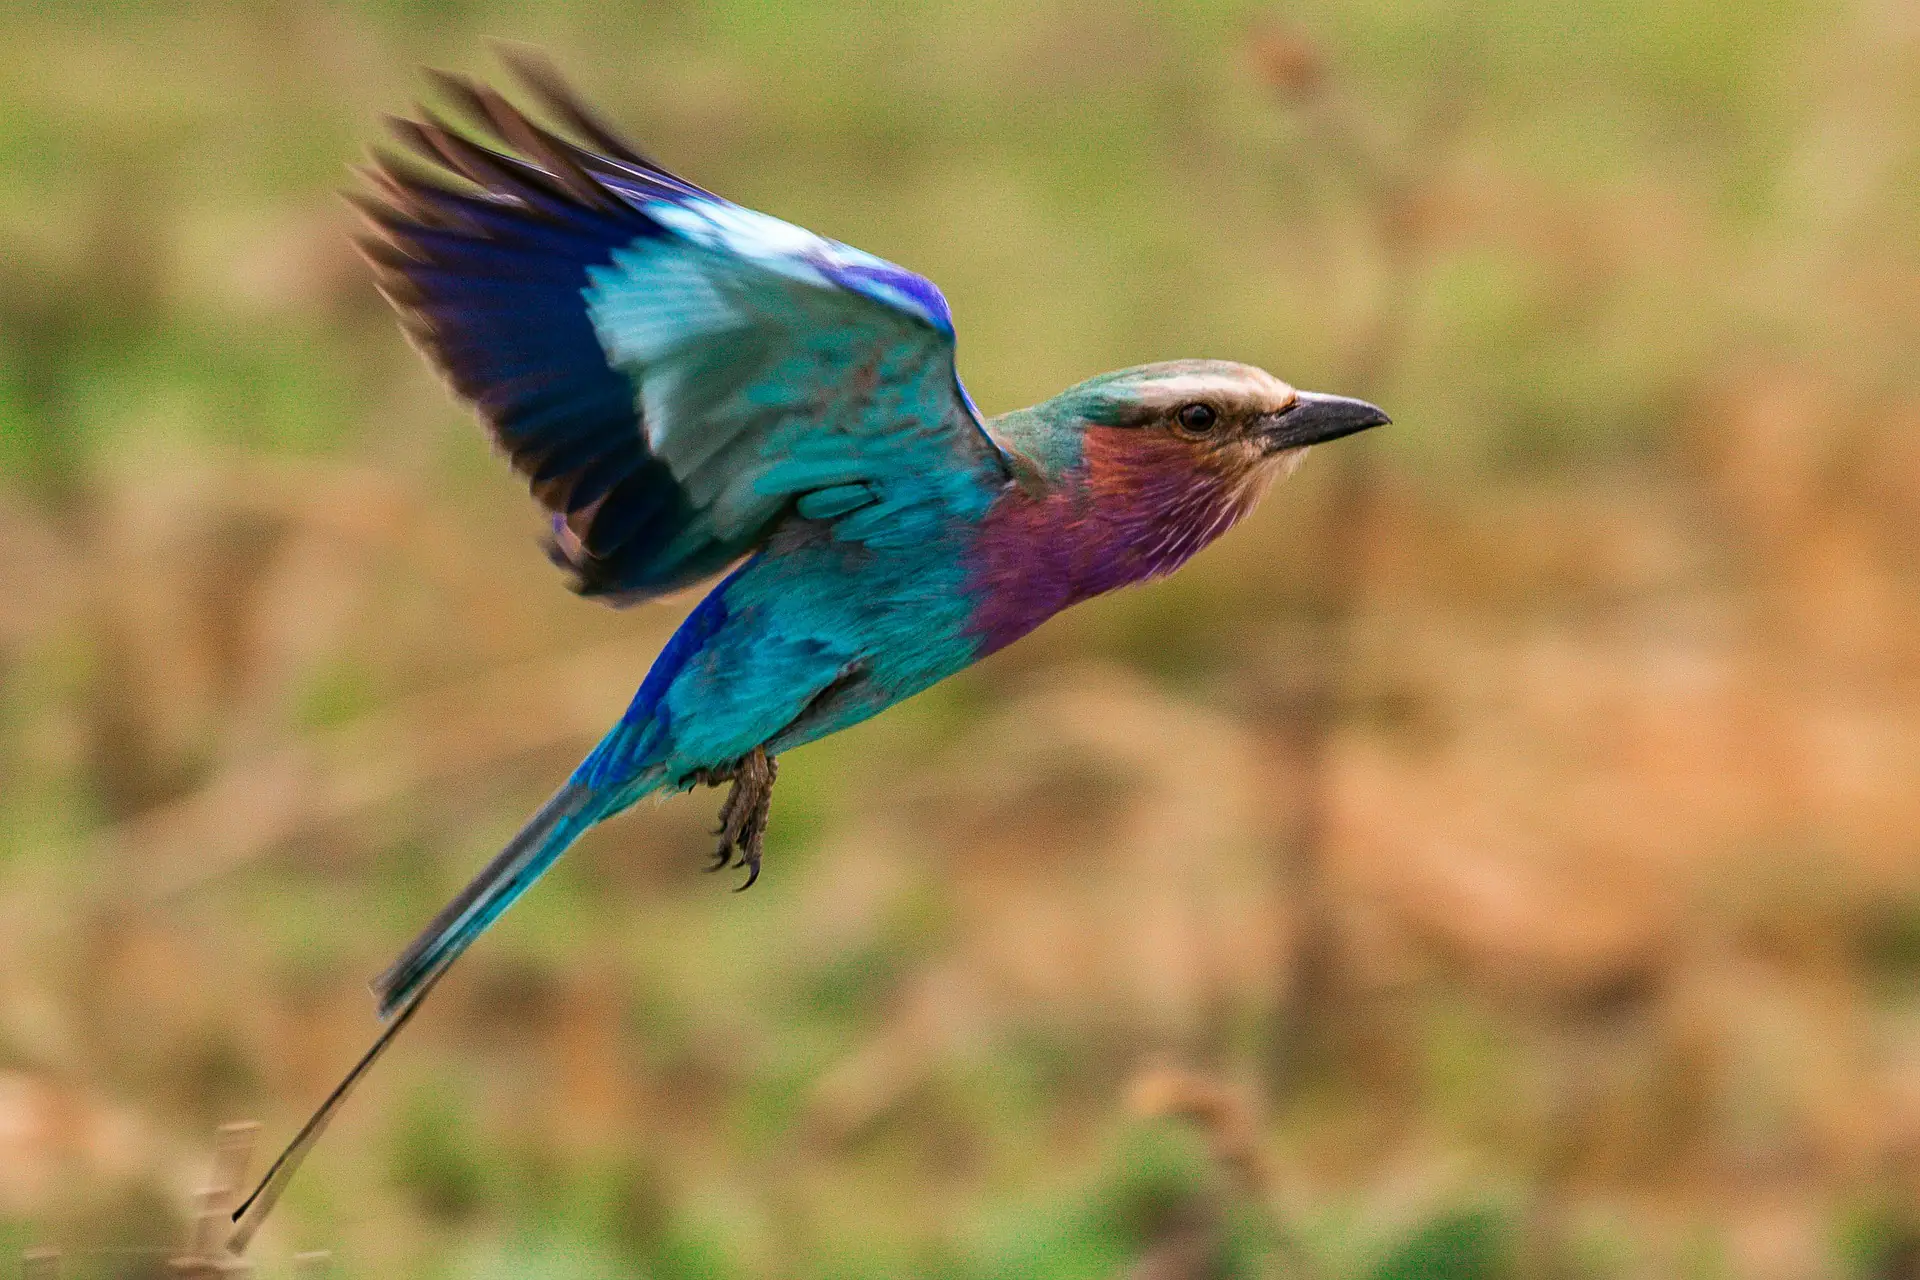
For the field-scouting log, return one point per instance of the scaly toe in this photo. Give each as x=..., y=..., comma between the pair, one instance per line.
x=743, y=816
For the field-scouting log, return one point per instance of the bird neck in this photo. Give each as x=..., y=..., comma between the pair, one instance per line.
x=1133, y=505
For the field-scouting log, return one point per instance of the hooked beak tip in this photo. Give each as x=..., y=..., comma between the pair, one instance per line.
x=1314, y=418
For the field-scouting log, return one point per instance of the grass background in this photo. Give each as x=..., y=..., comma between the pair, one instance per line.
x=1501, y=856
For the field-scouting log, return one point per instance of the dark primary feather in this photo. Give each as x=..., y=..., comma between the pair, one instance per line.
x=546, y=83
x=488, y=284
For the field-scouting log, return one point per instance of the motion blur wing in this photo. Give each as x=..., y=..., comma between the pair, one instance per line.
x=674, y=374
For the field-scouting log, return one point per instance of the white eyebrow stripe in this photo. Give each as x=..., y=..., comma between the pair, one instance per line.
x=1217, y=386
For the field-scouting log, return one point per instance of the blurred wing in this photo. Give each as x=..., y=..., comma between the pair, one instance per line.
x=674, y=374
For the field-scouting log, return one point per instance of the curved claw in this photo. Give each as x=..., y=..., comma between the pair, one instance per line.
x=753, y=873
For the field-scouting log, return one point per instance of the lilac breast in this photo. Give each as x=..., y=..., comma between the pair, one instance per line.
x=1108, y=527
x=1020, y=570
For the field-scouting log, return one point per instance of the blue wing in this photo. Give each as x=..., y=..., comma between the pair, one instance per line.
x=674, y=374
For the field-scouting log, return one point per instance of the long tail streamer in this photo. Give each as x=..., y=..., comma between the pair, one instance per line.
x=404, y=987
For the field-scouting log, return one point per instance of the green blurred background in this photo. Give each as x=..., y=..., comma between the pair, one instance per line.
x=1499, y=857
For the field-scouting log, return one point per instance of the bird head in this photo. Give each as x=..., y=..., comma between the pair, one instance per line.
x=1229, y=420
x=1145, y=466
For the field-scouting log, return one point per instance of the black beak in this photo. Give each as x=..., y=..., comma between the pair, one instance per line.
x=1315, y=419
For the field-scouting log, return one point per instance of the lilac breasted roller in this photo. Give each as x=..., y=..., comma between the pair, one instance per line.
x=691, y=387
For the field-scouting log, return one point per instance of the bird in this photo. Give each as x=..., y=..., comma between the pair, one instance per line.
x=692, y=388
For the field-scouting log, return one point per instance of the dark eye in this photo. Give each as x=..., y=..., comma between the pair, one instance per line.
x=1197, y=418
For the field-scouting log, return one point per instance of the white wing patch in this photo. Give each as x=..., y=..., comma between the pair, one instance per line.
x=651, y=300
x=799, y=254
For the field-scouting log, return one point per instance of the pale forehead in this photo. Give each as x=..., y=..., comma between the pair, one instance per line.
x=1232, y=384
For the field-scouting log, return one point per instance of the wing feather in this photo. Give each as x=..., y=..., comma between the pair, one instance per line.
x=672, y=373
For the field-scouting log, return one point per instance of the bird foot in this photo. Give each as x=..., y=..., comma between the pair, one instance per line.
x=743, y=817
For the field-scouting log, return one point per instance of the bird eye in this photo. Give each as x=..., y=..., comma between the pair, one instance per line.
x=1197, y=418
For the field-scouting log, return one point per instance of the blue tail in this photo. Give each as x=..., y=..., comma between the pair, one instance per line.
x=547, y=835
x=621, y=769
x=404, y=987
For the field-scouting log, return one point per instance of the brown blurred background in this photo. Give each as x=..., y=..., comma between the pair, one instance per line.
x=1501, y=856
